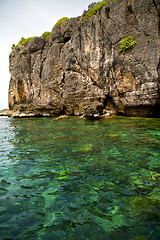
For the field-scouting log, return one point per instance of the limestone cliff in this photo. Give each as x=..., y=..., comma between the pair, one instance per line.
x=79, y=70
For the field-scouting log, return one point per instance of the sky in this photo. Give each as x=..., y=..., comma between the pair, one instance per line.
x=27, y=18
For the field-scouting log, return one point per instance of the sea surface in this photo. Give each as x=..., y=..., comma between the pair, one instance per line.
x=74, y=179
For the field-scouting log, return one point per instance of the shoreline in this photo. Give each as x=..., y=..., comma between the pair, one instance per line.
x=43, y=113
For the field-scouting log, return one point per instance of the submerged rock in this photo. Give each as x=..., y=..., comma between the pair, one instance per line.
x=80, y=70
x=61, y=117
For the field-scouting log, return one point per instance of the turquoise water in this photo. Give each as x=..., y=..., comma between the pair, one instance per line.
x=77, y=179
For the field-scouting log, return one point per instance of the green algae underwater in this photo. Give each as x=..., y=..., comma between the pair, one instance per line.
x=77, y=179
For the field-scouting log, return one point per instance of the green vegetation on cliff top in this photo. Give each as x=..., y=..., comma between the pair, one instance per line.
x=97, y=8
x=90, y=13
x=23, y=41
x=61, y=20
x=46, y=34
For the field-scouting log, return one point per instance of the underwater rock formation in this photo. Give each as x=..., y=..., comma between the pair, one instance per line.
x=80, y=70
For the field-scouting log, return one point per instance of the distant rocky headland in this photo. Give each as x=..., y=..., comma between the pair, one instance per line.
x=103, y=63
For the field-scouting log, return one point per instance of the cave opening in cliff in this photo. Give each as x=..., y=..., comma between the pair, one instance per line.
x=109, y=104
x=66, y=39
x=63, y=111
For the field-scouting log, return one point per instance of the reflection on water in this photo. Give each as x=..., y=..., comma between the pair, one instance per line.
x=77, y=179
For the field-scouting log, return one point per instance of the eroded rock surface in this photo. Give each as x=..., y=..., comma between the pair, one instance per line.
x=80, y=71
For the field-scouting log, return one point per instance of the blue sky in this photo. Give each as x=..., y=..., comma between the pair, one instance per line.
x=26, y=18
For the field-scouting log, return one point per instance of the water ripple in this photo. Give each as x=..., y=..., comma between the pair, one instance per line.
x=77, y=179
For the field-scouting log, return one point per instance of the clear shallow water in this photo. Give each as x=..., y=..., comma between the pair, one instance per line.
x=76, y=179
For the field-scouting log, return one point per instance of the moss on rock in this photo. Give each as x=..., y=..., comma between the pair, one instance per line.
x=97, y=8
x=22, y=42
x=46, y=34
x=59, y=22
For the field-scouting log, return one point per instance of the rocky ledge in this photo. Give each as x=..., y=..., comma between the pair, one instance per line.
x=108, y=63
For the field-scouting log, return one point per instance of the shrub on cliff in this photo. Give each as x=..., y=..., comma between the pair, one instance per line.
x=127, y=43
x=22, y=42
x=13, y=46
x=97, y=8
x=46, y=34
x=61, y=20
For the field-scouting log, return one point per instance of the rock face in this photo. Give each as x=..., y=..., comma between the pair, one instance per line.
x=80, y=71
